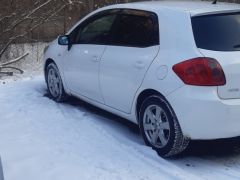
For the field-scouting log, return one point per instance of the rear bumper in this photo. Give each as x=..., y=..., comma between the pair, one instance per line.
x=203, y=115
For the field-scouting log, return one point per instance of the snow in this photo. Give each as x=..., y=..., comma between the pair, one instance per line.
x=31, y=64
x=43, y=140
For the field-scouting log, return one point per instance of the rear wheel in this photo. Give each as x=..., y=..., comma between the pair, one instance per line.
x=160, y=128
x=54, y=83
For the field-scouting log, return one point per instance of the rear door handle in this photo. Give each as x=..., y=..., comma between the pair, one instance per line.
x=139, y=65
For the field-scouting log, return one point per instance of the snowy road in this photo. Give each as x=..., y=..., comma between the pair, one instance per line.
x=43, y=140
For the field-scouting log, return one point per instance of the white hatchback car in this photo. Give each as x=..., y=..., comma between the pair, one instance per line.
x=171, y=67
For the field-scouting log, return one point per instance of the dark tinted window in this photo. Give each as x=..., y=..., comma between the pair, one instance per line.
x=217, y=32
x=94, y=30
x=97, y=31
x=137, y=29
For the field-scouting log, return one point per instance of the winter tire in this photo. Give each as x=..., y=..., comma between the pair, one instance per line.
x=54, y=83
x=160, y=128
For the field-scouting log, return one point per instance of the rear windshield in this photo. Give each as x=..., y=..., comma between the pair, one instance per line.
x=219, y=32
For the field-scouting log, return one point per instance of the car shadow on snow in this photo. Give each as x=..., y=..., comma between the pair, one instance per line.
x=198, y=148
x=100, y=112
x=219, y=148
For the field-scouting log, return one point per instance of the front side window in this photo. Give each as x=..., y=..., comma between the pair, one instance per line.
x=95, y=30
x=220, y=32
x=136, y=29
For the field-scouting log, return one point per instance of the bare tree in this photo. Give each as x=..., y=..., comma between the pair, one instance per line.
x=17, y=22
x=23, y=20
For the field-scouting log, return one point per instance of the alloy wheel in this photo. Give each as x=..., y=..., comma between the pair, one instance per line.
x=54, y=82
x=156, y=126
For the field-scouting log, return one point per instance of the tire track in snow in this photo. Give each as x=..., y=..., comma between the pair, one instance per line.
x=68, y=131
x=168, y=168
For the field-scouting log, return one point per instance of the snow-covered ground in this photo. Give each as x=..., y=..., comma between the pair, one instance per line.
x=43, y=140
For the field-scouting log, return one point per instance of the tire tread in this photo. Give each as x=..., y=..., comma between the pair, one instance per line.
x=180, y=142
x=63, y=95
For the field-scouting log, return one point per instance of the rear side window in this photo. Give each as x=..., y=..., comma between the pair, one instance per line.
x=136, y=29
x=219, y=32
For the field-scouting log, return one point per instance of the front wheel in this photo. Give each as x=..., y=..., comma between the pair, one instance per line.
x=160, y=128
x=54, y=83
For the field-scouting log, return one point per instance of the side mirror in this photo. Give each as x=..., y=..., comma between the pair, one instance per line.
x=63, y=40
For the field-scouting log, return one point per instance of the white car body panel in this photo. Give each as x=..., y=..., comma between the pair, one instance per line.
x=171, y=49
x=203, y=112
x=81, y=70
x=204, y=115
x=123, y=75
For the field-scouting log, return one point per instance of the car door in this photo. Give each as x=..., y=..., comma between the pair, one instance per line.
x=135, y=44
x=81, y=61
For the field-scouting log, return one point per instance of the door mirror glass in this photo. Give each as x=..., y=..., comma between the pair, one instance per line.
x=63, y=40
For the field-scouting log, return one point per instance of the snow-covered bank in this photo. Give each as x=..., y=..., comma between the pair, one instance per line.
x=43, y=140
x=31, y=64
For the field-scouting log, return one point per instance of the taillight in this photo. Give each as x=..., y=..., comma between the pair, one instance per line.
x=200, y=72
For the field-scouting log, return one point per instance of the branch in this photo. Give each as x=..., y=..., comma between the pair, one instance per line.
x=13, y=68
x=14, y=60
x=8, y=44
x=28, y=16
x=7, y=17
x=43, y=20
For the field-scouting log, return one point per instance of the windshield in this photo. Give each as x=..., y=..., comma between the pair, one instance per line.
x=219, y=32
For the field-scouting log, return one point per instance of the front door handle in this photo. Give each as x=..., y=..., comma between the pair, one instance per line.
x=95, y=58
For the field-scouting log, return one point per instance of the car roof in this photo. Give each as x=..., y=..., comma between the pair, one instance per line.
x=193, y=7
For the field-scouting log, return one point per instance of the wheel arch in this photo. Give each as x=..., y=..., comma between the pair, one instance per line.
x=179, y=141
x=47, y=62
x=142, y=96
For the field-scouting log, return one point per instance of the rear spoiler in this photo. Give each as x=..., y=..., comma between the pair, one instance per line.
x=232, y=11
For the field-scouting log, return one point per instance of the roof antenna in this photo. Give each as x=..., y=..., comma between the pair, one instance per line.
x=214, y=2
